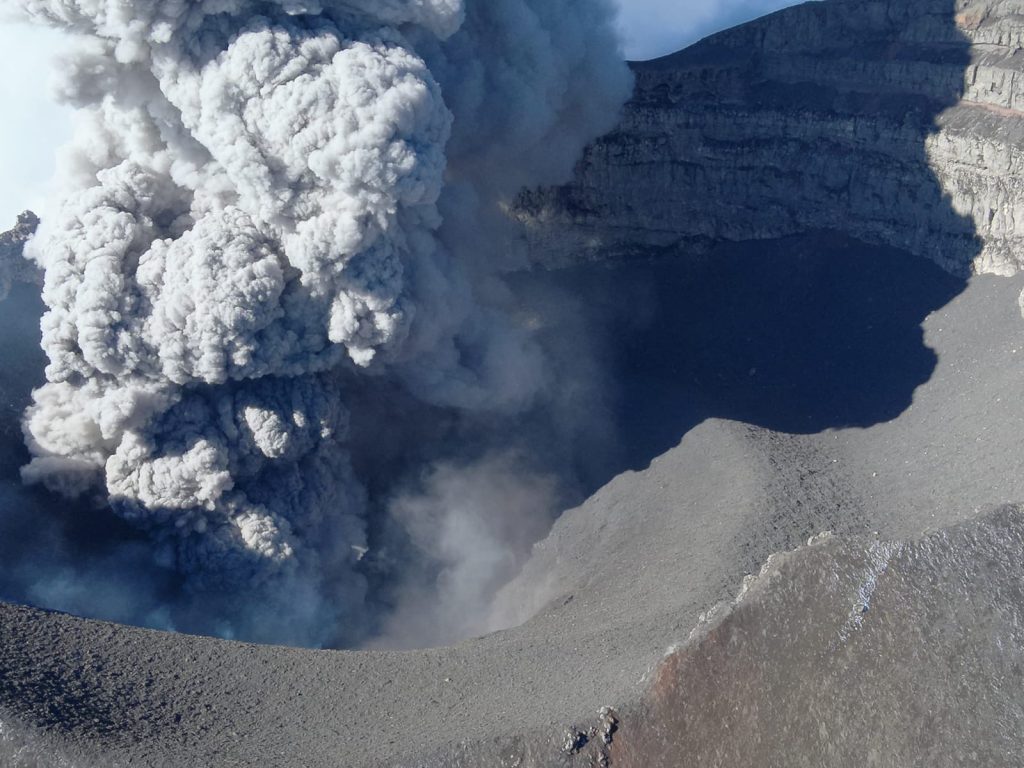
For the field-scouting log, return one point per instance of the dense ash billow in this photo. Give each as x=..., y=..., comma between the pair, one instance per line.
x=263, y=201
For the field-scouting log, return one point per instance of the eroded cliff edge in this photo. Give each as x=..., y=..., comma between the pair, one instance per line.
x=897, y=122
x=14, y=267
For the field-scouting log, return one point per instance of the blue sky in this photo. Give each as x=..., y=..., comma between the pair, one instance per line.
x=33, y=126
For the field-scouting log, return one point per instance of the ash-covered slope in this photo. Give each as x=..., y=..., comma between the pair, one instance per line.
x=894, y=121
x=852, y=653
x=847, y=652
x=620, y=579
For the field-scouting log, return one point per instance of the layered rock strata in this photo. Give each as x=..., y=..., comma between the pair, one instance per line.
x=898, y=122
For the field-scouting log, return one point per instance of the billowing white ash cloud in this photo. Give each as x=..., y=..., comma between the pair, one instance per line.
x=263, y=202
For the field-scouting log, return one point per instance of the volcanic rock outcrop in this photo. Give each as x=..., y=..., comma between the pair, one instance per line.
x=897, y=122
x=13, y=266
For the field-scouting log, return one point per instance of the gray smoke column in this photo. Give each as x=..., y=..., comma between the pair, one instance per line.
x=263, y=200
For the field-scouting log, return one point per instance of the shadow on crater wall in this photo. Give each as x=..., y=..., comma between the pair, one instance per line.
x=797, y=335
x=831, y=104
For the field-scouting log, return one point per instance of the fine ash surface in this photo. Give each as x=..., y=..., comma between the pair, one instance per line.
x=852, y=652
x=631, y=572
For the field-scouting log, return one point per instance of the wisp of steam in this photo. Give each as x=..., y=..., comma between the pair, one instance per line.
x=265, y=205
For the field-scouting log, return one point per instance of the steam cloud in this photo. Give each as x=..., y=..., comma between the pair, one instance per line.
x=474, y=522
x=266, y=202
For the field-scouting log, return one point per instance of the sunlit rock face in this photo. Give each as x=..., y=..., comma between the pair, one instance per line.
x=853, y=653
x=897, y=122
x=847, y=652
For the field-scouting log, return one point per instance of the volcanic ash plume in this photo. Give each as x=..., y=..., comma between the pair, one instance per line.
x=262, y=201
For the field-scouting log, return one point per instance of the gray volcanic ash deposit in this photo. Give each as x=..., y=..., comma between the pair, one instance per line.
x=858, y=652
x=787, y=307
x=629, y=574
x=799, y=672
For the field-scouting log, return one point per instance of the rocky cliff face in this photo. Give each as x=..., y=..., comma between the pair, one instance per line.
x=898, y=122
x=13, y=266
